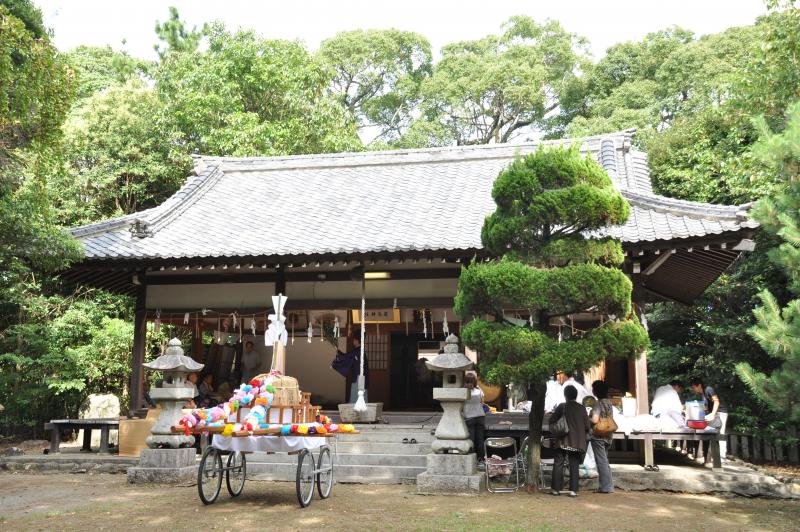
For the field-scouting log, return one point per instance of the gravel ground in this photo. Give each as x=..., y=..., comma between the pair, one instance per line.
x=108, y=502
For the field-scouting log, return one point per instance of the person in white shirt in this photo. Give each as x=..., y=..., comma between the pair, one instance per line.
x=667, y=402
x=582, y=391
x=474, y=414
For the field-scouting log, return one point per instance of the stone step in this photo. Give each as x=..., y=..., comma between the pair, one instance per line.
x=387, y=437
x=378, y=460
x=371, y=447
x=360, y=474
x=394, y=427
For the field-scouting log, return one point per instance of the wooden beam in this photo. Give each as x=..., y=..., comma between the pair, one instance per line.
x=137, y=358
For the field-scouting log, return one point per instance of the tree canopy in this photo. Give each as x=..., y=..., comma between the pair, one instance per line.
x=490, y=89
x=376, y=77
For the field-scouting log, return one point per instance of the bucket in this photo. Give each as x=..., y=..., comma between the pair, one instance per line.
x=695, y=410
x=629, y=406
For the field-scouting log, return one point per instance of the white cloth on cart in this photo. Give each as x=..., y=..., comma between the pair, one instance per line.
x=267, y=444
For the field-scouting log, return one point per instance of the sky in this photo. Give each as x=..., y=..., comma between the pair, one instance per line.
x=603, y=22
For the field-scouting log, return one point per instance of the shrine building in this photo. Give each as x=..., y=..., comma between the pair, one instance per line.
x=240, y=230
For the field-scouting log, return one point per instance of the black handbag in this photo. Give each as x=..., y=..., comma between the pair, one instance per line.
x=559, y=428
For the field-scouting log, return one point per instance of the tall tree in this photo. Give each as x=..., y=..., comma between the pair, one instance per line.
x=491, y=89
x=175, y=36
x=778, y=329
x=546, y=201
x=247, y=95
x=98, y=68
x=377, y=76
x=122, y=155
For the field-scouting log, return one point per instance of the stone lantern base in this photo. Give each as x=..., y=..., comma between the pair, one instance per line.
x=451, y=474
x=165, y=466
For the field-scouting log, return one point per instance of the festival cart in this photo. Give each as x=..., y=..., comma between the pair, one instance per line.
x=225, y=456
x=250, y=422
x=267, y=414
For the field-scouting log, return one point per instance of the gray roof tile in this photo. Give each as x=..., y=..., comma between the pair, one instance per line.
x=405, y=200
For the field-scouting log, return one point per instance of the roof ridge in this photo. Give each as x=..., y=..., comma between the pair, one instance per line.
x=692, y=209
x=411, y=152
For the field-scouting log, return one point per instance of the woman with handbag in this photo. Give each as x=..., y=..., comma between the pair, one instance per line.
x=572, y=417
x=604, y=426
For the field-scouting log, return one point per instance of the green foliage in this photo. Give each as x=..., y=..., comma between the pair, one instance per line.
x=28, y=14
x=777, y=329
x=490, y=89
x=491, y=287
x=122, y=156
x=547, y=197
x=247, y=95
x=377, y=76
x=35, y=92
x=63, y=350
x=98, y=68
x=524, y=355
x=174, y=35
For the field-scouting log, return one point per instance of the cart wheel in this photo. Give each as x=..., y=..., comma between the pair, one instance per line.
x=209, y=475
x=236, y=473
x=325, y=473
x=305, y=477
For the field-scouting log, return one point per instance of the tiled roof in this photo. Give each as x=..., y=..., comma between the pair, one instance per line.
x=392, y=201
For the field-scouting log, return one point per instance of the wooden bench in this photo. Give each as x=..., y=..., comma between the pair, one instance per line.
x=103, y=424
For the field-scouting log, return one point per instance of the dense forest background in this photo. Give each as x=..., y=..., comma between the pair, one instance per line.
x=93, y=133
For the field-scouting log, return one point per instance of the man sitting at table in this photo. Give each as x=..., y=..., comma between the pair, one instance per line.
x=667, y=404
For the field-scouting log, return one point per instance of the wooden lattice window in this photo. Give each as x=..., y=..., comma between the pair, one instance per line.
x=377, y=349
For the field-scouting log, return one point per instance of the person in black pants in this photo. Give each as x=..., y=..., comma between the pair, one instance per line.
x=572, y=447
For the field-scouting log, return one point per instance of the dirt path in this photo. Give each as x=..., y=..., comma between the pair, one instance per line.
x=108, y=502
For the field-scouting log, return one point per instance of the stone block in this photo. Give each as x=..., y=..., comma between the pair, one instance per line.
x=452, y=464
x=428, y=484
x=162, y=475
x=100, y=406
x=161, y=458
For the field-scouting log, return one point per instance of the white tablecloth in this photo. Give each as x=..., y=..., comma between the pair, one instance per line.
x=267, y=444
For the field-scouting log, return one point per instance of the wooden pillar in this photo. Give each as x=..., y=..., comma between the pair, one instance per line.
x=640, y=379
x=139, y=341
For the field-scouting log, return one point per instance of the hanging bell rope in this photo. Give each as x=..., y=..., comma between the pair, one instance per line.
x=361, y=404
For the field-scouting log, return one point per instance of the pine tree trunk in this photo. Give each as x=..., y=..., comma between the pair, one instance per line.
x=536, y=393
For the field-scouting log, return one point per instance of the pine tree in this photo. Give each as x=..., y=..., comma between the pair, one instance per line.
x=778, y=330
x=547, y=202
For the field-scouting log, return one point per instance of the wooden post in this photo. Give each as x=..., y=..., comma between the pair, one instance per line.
x=642, y=397
x=745, y=447
x=733, y=446
x=139, y=341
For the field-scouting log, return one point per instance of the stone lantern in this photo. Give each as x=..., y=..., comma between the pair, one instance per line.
x=170, y=458
x=175, y=392
x=452, y=467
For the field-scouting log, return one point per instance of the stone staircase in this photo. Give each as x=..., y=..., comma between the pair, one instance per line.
x=374, y=456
